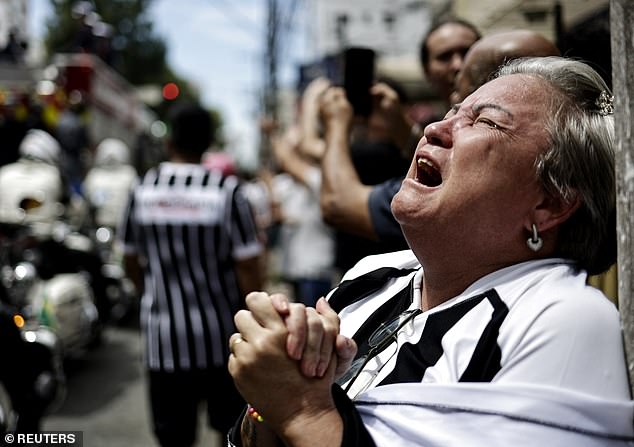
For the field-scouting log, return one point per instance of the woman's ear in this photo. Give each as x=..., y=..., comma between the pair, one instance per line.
x=553, y=211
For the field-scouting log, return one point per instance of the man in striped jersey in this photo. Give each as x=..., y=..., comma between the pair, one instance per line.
x=194, y=234
x=485, y=333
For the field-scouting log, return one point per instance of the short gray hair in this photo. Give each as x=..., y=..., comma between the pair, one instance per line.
x=580, y=159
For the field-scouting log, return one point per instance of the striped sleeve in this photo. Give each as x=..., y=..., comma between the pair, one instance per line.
x=243, y=231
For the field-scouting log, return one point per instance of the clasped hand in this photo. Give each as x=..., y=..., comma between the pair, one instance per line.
x=286, y=356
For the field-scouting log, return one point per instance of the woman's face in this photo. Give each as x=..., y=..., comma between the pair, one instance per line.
x=473, y=176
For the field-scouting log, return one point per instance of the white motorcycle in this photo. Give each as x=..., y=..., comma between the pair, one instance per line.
x=107, y=187
x=42, y=267
x=34, y=275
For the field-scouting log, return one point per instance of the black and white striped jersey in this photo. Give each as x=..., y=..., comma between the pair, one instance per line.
x=496, y=330
x=190, y=225
x=525, y=349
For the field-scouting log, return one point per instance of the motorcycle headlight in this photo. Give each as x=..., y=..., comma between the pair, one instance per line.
x=41, y=335
x=103, y=235
x=24, y=271
x=20, y=280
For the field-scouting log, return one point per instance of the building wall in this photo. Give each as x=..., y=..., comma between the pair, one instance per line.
x=390, y=27
x=580, y=28
x=397, y=45
x=538, y=15
x=393, y=28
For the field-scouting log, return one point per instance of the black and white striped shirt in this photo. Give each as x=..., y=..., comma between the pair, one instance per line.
x=520, y=349
x=486, y=333
x=527, y=355
x=191, y=225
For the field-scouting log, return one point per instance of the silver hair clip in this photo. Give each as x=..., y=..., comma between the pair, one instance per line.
x=605, y=103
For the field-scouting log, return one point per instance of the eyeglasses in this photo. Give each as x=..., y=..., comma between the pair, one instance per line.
x=384, y=336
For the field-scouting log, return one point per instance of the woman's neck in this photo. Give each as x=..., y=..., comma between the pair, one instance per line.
x=442, y=285
x=435, y=291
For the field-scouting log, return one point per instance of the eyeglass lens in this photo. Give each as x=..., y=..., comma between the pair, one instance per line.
x=380, y=339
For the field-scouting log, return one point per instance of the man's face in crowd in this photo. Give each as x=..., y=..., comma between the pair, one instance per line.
x=447, y=47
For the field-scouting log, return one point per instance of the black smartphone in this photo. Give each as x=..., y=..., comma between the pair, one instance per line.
x=358, y=76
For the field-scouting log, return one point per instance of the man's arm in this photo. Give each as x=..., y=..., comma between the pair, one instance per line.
x=250, y=274
x=344, y=199
x=132, y=262
x=134, y=271
x=312, y=144
x=249, y=266
x=286, y=152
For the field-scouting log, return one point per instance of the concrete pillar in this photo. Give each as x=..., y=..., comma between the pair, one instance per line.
x=622, y=37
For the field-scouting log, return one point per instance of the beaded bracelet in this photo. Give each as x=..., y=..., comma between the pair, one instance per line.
x=253, y=414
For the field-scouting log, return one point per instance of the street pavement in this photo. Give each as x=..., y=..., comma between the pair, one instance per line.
x=107, y=397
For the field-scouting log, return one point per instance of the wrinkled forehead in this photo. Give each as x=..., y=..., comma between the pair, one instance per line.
x=525, y=96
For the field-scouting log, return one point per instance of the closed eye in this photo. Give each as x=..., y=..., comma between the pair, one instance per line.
x=487, y=122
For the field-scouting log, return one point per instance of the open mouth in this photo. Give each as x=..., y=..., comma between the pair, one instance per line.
x=426, y=173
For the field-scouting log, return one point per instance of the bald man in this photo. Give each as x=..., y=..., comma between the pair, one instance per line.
x=488, y=53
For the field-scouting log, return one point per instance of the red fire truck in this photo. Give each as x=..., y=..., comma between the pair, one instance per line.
x=114, y=110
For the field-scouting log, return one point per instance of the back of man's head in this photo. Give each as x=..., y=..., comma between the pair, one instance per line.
x=489, y=53
x=190, y=129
